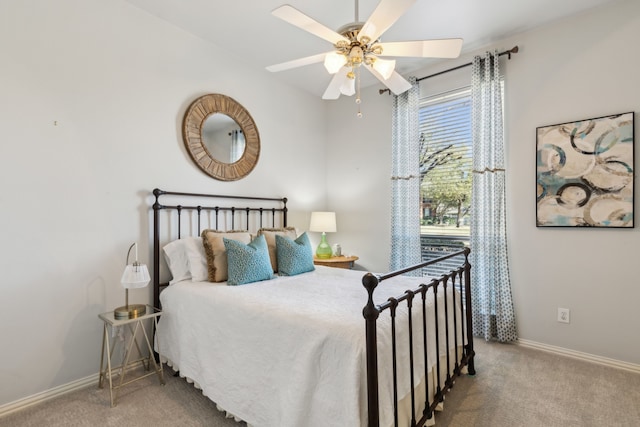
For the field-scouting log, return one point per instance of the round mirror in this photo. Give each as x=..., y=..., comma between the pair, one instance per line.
x=221, y=137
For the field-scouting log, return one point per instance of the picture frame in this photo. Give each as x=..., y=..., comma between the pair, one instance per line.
x=585, y=173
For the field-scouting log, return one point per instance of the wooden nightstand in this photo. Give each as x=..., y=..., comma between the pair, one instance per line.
x=134, y=325
x=336, y=261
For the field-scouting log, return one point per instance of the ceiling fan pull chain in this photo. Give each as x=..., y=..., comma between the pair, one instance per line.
x=358, y=100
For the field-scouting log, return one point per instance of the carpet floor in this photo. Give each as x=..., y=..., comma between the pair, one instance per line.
x=513, y=386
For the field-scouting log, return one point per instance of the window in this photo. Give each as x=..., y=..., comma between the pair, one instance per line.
x=445, y=169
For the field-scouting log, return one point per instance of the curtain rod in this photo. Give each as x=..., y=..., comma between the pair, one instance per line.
x=506, y=52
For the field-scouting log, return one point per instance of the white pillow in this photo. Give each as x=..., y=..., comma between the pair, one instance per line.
x=175, y=253
x=186, y=260
x=197, y=260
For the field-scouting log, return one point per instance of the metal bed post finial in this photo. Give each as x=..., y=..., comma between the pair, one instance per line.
x=285, y=211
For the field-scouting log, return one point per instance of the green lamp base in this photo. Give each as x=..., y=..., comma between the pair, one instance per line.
x=324, y=250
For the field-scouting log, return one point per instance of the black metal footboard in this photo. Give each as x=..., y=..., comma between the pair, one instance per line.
x=459, y=281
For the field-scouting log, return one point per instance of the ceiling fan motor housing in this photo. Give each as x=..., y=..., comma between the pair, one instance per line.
x=356, y=51
x=350, y=31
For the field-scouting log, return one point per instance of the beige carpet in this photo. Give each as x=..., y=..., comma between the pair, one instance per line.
x=514, y=386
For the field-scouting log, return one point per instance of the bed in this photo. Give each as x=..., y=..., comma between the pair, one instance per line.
x=314, y=347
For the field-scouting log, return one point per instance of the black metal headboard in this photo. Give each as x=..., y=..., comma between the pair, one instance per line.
x=209, y=210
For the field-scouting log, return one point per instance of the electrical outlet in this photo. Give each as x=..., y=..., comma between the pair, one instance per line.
x=563, y=315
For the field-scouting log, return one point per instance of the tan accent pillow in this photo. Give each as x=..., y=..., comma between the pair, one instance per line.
x=270, y=237
x=216, y=253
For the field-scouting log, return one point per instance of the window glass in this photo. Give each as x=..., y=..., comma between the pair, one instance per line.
x=445, y=168
x=445, y=163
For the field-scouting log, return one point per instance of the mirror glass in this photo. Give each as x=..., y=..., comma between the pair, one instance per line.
x=221, y=137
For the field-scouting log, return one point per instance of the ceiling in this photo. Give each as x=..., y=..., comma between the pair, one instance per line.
x=251, y=34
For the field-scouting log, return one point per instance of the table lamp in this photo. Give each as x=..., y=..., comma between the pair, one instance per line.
x=135, y=276
x=324, y=222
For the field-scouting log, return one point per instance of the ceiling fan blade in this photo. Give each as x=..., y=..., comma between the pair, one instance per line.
x=444, y=48
x=396, y=83
x=386, y=13
x=300, y=62
x=293, y=16
x=333, y=90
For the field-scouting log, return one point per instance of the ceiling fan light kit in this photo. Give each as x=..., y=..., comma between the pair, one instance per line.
x=358, y=44
x=385, y=67
x=333, y=61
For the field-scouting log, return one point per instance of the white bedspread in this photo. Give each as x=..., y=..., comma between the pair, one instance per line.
x=288, y=352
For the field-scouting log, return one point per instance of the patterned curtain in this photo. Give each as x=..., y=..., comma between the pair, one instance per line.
x=405, y=180
x=493, y=315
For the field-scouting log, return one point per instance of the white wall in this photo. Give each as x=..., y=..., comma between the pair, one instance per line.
x=578, y=68
x=358, y=171
x=92, y=98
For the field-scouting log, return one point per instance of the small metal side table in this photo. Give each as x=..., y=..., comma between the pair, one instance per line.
x=134, y=325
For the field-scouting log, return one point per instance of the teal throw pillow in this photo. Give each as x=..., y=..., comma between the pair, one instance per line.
x=248, y=263
x=294, y=256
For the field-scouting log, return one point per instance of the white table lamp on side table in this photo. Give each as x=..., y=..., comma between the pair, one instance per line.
x=135, y=276
x=324, y=222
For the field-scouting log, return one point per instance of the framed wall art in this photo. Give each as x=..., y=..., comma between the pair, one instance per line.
x=584, y=173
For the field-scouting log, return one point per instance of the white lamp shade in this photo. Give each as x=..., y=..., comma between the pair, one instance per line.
x=385, y=67
x=333, y=61
x=348, y=87
x=135, y=276
x=324, y=222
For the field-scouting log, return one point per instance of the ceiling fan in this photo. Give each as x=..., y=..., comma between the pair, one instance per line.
x=358, y=45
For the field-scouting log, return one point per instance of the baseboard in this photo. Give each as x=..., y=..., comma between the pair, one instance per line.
x=55, y=392
x=48, y=394
x=613, y=363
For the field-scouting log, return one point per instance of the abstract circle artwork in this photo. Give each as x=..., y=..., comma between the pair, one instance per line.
x=584, y=173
